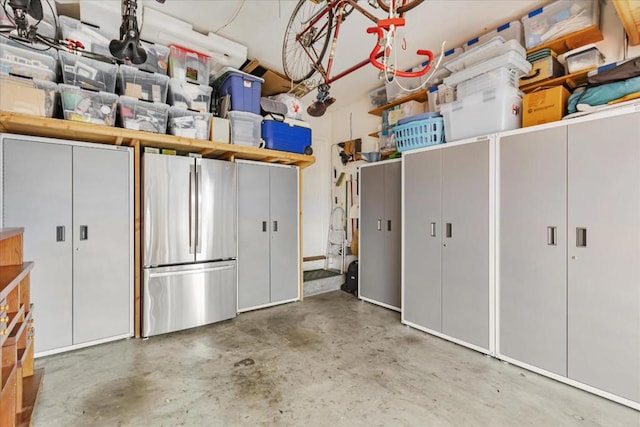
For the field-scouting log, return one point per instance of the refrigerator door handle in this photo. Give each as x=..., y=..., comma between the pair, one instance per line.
x=199, y=210
x=185, y=273
x=192, y=197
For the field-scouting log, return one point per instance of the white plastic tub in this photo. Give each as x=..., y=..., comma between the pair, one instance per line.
x=496, y=79
x=511, y=60
x=245, y=128
x=482, y=52
x=482, y=113
x=583, y=59
x=558, y=19
x=189, y=124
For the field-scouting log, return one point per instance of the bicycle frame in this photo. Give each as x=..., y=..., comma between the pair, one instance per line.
x=339, y=6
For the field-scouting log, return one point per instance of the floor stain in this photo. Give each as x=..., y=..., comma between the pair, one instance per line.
x=304, y=339
x=126, y=396
x=244, y=362
x=258, y=382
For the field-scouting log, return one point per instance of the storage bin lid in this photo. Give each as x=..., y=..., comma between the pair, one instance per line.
x=219, y=78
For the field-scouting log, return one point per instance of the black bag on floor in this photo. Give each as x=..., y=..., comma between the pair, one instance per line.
x=351, y=281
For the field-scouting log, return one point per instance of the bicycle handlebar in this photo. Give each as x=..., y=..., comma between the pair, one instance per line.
x=376, y=49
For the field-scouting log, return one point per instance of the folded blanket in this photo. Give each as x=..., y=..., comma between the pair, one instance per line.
x=602, y=94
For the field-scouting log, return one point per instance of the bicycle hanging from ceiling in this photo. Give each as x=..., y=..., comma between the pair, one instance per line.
x=309, y=33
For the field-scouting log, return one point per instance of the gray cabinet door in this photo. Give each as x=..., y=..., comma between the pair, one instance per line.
x=423, y=239
x=372, y=237
x=533, y=244
x=465, y=255
x=37, y=196
x=253, y=235
x=216, y=230
x=284, y=234
x=604, y=249
x=393, y=234
x=101, y=238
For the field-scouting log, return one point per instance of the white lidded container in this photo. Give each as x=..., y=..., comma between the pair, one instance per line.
x=495, y=79
x=511, y=60
x=482, y=113
x=245, y=128
x=189, y=124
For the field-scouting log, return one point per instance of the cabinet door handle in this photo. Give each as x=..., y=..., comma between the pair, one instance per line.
x=448, y=230
x=433, y=229
x=60, y=233
x=84, y=232
x=379, y=225
x=264, y=226
x=552, y=232
x=388, y=225
x=275, y=226
x=581, y=237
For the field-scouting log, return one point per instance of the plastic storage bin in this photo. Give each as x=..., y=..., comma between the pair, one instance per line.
x=378, y=97
x=291, y=135
x=187, y=95
x=88, y=73
x=26, y=96
x=508, y=31
x=87, y=106
x=510, y=60
x=245, y=128
x=558, y=19
x=18, y=59
x=92, y=38
x=142, y=85
x=582, y=59
x=243, y=88
x=393, y=89
x=496, y=79
x=482, y=52
x=157, y=58
x=189, y=124
x=143, y=115
x=185, y=64
x=439, y=95
x=419, y=133
x=483, y=113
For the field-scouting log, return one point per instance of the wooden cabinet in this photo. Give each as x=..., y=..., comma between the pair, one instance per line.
x=447, y=242
x=380, y=234
x=20, y=383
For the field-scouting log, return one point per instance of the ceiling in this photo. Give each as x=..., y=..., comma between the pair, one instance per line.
x=260, y=25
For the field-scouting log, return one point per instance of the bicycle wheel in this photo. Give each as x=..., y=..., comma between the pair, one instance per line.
x=297, y=64
x=410, y=4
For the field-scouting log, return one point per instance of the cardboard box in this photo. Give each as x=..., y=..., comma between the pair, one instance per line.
x=544, y=106
x=274, y=82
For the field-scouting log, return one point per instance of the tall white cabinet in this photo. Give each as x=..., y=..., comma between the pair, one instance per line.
x=380, y=234
x=447, y=242
x=75, y=201
x=569, y=251
x=268, y=230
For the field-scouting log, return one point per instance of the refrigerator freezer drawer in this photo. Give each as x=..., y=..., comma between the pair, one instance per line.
x=186, y=296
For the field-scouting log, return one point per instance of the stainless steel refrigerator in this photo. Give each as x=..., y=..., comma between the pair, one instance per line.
x=189, y=242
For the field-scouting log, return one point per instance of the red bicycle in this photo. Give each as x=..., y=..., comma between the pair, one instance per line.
x=310, y=30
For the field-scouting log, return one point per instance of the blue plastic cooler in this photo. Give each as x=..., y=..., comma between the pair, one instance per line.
x=286, y=136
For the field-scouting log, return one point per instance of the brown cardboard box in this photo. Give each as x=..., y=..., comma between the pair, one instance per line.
x=274, y=82
x=544, y=106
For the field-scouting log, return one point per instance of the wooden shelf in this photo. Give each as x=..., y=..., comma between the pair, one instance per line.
x=7, y=233
x=11, y=275
x=571, y=81
x=11, y=326
x=572, y=41
x=418, y=96
x=7, y=372
x=629, y=13
x=31, y=387
x=86, y=132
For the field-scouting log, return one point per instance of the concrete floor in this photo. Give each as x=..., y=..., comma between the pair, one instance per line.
x=329, y=361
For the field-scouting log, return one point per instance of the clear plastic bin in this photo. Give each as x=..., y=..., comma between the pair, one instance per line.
x=189, y=124
x=558, y=19
x=439, y=95
x=92, y=38
x=143, y=115
x=245, y=128
x=88, y=73
x=482, y=113
x=394, y=91
x=378, y=97
x=583, y=59
x=508, y=31
x=88, y=106
x=482, y=52
x=496, y=79
x=157, y=58
x=26, y=96
x=20, y=60
x=142, y=85
x=187, y=95
x=185, y=64
x=510, y=60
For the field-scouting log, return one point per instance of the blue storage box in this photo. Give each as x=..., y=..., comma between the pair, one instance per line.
x=244, y=90
x=293, y=136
